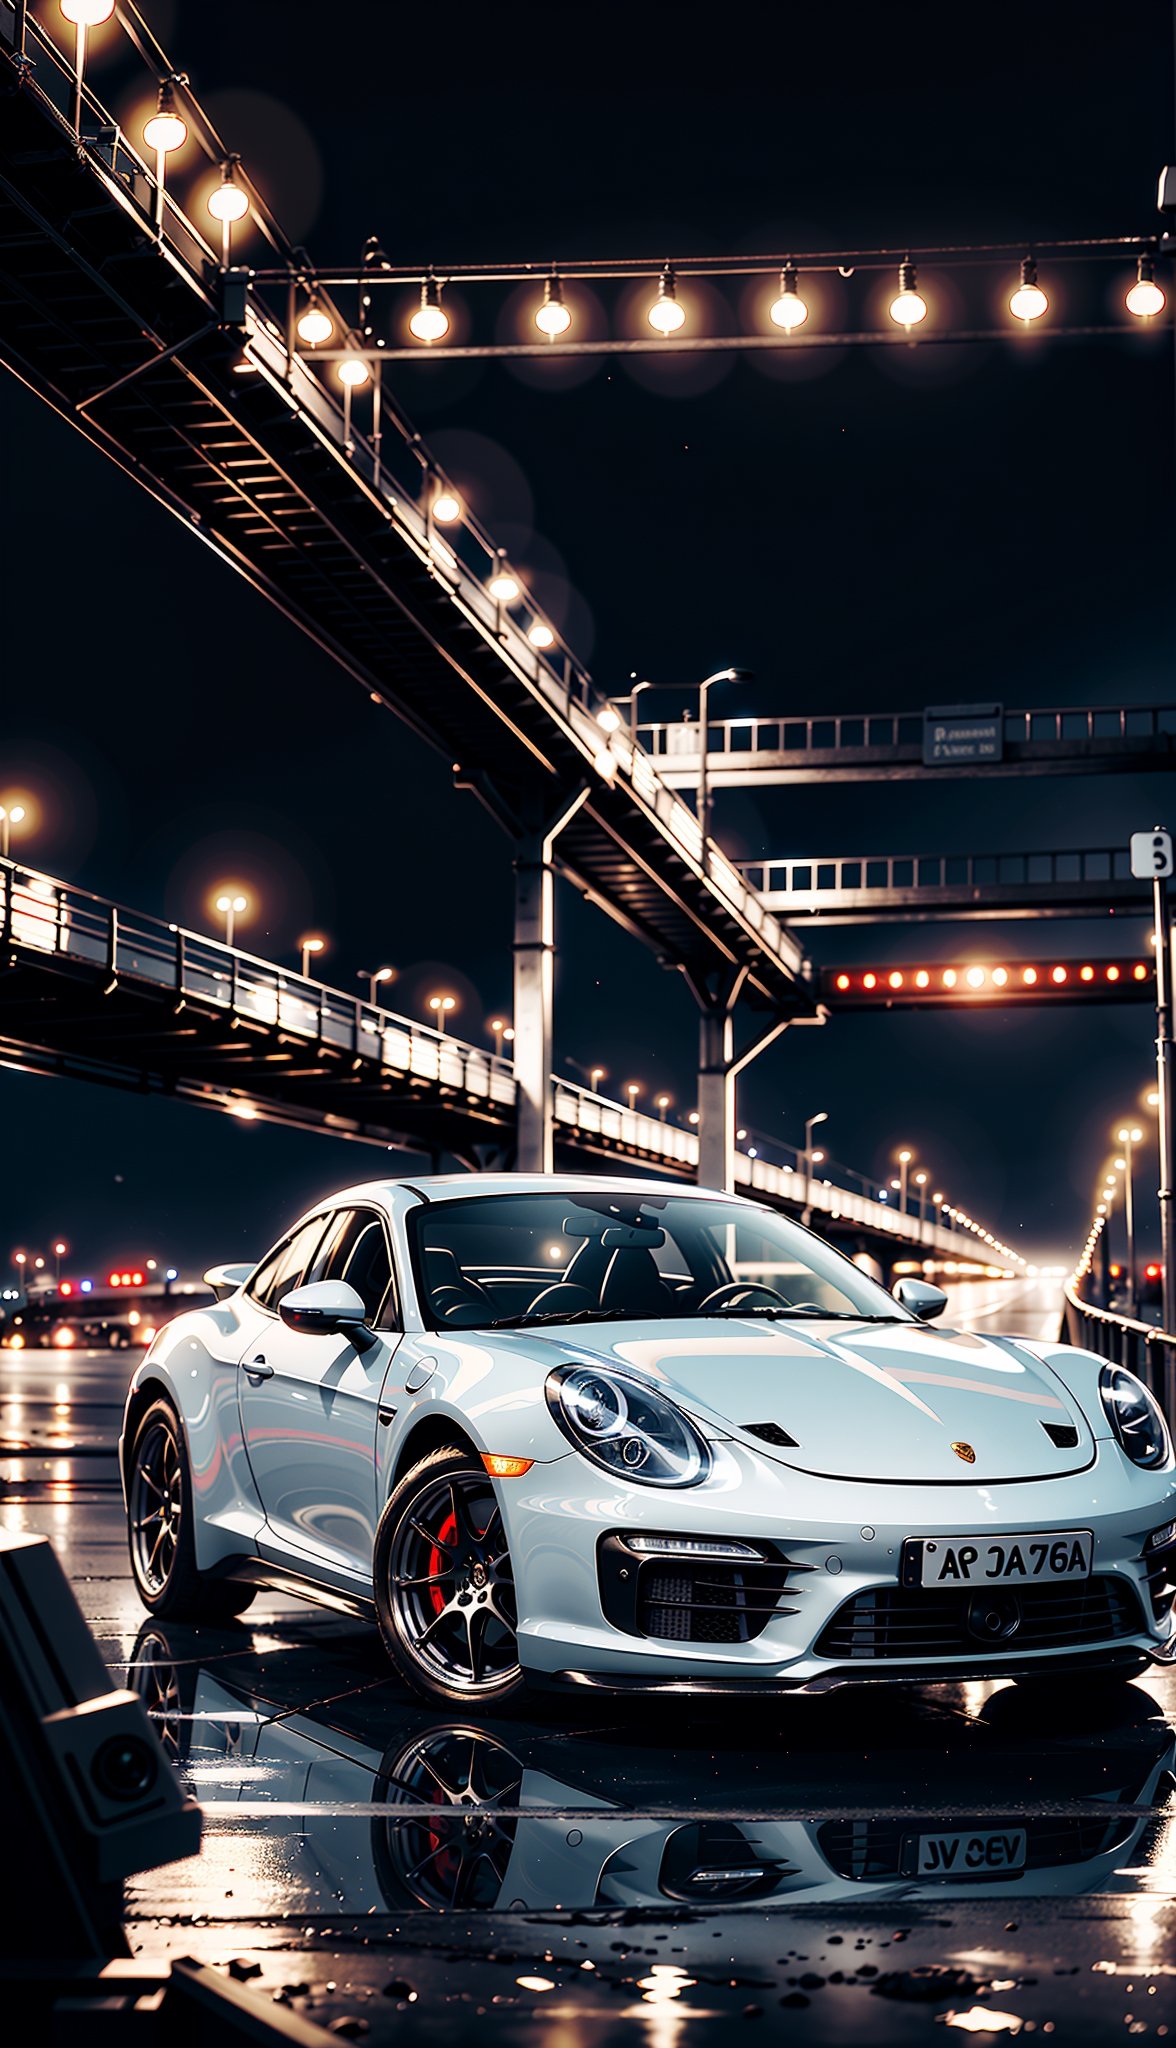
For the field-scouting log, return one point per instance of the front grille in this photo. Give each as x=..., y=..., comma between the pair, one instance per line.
x=867, y=1849
x=706, y=1602
x=892, y=1622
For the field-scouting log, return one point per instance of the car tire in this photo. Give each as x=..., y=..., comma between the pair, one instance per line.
x=159, y=1527
x=444, y=1585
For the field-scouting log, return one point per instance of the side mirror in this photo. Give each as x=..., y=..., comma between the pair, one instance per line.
x=227, y=1279
x=327, y=1308
x=921, y=1298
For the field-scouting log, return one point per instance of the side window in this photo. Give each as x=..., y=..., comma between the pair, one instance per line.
x=285, y=1267
x=355, y=1249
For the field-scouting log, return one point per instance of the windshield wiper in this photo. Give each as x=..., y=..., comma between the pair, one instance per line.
x=825, y=1315
x=576, y=1315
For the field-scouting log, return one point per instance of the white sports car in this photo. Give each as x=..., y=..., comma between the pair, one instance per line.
x=624, y=1435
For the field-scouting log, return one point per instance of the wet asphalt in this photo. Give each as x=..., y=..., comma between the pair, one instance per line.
x=870, y=1866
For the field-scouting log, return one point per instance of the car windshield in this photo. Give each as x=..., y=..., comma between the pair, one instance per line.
x=570, y=1255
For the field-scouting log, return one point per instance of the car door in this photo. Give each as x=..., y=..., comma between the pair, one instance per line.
x=309, y=1403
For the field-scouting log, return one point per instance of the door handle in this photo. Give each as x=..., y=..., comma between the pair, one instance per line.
x=257, y=1369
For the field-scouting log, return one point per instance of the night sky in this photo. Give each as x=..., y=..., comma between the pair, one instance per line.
x=871, y=530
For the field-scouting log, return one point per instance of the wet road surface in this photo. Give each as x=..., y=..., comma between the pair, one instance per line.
x=866, y=1867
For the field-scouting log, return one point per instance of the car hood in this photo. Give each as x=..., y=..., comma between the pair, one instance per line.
x=860, y=1400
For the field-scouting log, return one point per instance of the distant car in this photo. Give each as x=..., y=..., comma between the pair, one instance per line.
x=623, y=1435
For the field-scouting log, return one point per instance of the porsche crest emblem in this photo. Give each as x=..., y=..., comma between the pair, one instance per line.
x=965, y=1452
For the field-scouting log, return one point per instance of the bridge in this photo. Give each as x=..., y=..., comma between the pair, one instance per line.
x=116, y=310
x=97, y=992
x=757, y=753
x=918, y=887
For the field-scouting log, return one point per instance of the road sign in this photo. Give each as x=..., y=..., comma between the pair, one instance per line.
x=959, y=733
x=1151, y=854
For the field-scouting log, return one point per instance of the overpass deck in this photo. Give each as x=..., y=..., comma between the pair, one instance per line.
x=755, y=753
x=115, y=310
x=91, y=990
x=863, y=889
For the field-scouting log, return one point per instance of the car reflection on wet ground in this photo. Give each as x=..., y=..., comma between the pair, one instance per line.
x=866, y=1865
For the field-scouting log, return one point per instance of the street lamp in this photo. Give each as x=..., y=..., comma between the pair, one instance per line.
x=503, y=1034
x=921, y=1184
x=1129, y=1137
x=810, y=1125
x=595, y=1076
x=10, y=815
x=308, y=946
x=721, y=675
x=632, y=1090
x=442, y=1006
x=230, y=908
x=59, y=1252
x=663, y=1103
x=904, y=1160
x=375, y=979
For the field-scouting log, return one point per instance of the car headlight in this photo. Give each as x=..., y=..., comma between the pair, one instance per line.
x=1135, y=1417
x=626, y=1427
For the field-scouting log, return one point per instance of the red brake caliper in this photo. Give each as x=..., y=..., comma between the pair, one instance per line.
x=447, y=1533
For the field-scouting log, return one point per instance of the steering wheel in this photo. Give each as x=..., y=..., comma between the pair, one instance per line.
x=733, y=1290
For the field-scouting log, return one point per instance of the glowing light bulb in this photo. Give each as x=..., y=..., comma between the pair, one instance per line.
x=553, y=318
x=228, y=202
x=87, y=13
x=446, y=506
x=353, y=371
x=1028, y=302
x=665, y=313
x=503, y=587
x=541, y=635
x=166, y=130
x=1146, y=298
x=908, y=306
x=789, y=310
x=315, y=325
x=430, y=322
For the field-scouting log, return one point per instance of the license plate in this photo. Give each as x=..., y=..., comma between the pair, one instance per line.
x=1007, y=1560
x=963, y=1853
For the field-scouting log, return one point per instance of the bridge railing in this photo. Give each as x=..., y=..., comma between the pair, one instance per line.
x=888, y=731
x=1147, y=1352
x=47, y=917
x=892, y=873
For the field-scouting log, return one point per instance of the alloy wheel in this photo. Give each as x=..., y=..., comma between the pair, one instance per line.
x=156, y=1506
x=455, y=1856
x=451, y=1588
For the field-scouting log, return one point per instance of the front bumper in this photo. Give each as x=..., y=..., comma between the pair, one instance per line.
x=845, y=1539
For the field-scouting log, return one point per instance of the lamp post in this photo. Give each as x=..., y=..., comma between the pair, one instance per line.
x=308, y=946
x=904, y=1160
x=502, y=1032
x=595, y=1076
x=721, y=675
x=663, y=1103
x=921, y=1184
x=230, y=908
x=632, y=1090
x=375, y=978
x=59, y=1252
x=10, y=815
x=442, y=1007
x=1129, y=1137
x=810, y=1125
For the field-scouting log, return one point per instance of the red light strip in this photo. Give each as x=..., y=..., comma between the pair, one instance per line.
x=971, y=978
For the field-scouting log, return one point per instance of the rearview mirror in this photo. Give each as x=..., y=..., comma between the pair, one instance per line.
x=921, y=1299
x=327, y=1308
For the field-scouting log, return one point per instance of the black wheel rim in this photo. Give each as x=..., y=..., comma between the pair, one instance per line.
x=156, y=1506
x=451, y=1589
x=455, y=1858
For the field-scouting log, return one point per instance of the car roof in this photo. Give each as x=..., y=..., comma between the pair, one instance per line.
x=434, y=1187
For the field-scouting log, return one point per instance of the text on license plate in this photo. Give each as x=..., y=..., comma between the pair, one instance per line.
x=964, y=1853
x=1010, y=1559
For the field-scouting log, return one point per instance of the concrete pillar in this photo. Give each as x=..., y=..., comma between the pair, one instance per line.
x=534, y=986
x=716, y=1099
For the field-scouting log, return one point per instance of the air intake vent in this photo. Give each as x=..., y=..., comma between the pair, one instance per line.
x=1063, y=1434
x=772, y=1433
